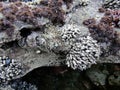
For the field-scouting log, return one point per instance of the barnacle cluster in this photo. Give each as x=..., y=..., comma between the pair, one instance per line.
x=83, y=54
x=70, y=33
x=22, y=85
x=9, y=68
x=103, y=31
x=84, y=51
x=18, y=84
x=111, y=4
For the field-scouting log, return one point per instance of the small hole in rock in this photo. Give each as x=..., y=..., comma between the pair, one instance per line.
x=9, y=45
x=25, y=32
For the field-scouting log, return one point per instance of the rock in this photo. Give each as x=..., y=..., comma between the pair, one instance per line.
x=28, y=38
x=97, y=77
x=114, y=79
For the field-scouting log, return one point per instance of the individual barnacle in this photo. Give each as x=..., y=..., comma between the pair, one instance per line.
x=9, y=68
x=83, y=53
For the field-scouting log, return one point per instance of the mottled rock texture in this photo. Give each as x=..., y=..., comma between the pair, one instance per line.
x=33, y=33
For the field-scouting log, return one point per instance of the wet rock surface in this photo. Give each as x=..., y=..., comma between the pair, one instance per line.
x=101, y=77
x=31, y=33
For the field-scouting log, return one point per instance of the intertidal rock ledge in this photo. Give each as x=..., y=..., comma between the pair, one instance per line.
x=51, y=33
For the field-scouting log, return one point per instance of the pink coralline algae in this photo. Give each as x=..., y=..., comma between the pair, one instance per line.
x=104, y=32
x=18, y=15
x=115, y=16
